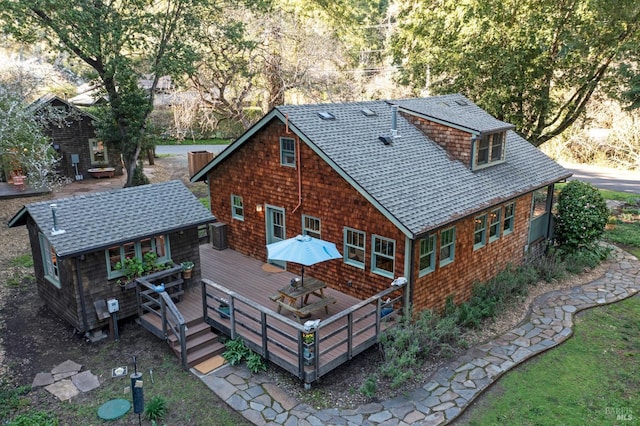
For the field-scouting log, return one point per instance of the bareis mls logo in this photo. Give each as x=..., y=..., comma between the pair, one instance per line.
x=622, y=414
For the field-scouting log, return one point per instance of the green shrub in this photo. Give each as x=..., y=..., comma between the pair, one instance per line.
x=370, y=386
x=139, y=178
x=156, y=408
x=255, y=363
x=35, y=418
x=236, y=351
x=581, y=217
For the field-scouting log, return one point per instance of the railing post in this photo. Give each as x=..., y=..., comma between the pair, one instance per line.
x=232, y=317
x=183, y=347
x=163, y=311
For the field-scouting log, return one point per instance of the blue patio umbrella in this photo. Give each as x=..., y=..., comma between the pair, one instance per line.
x=304, y=250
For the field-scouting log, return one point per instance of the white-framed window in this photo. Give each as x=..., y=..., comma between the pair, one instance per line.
x=427, y=255
x=480, y=232
x=354, y=247
x=447, y=246
x=509, y=214
x=98, y=152
x=494, y=224
x=383, y=255
x=159, y=245
x=489, y=149
x=311, y=226
x=49, y=261
x=237, y=207
x=288, y=152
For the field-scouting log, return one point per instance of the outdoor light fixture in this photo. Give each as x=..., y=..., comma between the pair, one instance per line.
x=259, y=208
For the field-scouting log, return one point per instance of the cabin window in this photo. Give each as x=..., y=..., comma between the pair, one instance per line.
x=98, y=152
x=489, y=149
x=311, y=226
x=237, y=207
x=494, y=224
x=158, y=245
x=509, y=213
x=480, y=232
x=50, y=261
x=447, y=246
x=383, y=256
x=354, y=247
x=427, y=254
x=288, y=152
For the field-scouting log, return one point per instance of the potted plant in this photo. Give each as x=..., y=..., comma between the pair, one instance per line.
x=187, y=267
x=131, y=267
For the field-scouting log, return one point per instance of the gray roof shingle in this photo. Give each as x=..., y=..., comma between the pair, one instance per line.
x=413, y=179
x=104, y=219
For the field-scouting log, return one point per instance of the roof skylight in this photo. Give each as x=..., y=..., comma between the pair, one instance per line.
x=368, y=113
x=326, y=115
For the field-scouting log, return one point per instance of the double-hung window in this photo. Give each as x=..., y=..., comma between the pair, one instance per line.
x=383, y=256
x=288, y=152
x=494, y=224
x=509, y=213
x=354, y=247
x=237, y=207
x=311, y=226
x=50, y=261
x=480, y=232
x=156, y=247
x=427, y=254
x=447, y=246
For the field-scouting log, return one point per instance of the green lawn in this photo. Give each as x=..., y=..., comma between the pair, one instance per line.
x=590, y=379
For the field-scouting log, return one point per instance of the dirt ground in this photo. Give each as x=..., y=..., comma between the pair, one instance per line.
x=33, y=340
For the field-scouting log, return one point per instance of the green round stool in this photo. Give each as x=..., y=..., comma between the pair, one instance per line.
x=114, y=409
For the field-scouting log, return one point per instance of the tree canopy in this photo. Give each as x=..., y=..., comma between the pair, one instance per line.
x=533, y=63
x=119, y=41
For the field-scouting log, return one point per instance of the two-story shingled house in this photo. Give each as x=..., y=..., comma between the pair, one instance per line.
x=435, y=190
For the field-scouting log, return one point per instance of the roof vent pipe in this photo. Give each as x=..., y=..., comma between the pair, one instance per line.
x=394, y=121
x=55, y=230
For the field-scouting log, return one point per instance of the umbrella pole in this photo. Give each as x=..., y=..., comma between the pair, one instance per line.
x=302, y=285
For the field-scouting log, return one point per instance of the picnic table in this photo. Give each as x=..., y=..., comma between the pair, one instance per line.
x=296, y=299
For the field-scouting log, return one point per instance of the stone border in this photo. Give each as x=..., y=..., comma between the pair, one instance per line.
x=453, y=387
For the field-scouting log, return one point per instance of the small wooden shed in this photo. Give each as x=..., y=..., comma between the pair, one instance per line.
x=77, y=242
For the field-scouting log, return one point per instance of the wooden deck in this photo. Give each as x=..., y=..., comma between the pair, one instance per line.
x=247, y=285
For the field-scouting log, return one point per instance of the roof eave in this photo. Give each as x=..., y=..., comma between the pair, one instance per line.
x=447, y=123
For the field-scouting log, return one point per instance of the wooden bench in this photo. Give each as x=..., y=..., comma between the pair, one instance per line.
x=306, y=310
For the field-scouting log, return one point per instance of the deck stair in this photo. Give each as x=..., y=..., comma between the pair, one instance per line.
x=202, y=343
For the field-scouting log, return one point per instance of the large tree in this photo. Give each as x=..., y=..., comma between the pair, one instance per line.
x=120, y=40
x=533, y=63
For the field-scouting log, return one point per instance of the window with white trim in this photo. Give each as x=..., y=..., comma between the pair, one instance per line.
x=383, y=254
x=354, y=247
x=288, y=152
x=49, y=261
x=489, y=149
x=311, y=226
x=509, y=214
x=494, y=224
x=480, y=232
x=447, y=246
x=237, y=207
x=159, y=245
x=427, y=255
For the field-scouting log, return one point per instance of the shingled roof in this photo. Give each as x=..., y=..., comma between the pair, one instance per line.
x=104, y=219
x=412, y=180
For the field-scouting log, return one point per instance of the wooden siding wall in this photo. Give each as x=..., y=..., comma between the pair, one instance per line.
x=254, y=173
x=456, y=142
x=471, y=266
x=66, y=303
x=74, y=139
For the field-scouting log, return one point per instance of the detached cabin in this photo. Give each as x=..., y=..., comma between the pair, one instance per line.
x=77, y=243
x=73, y=136
x=435, y=190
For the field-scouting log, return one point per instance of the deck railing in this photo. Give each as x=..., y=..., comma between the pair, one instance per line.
x=306, y=352
x=160, y=308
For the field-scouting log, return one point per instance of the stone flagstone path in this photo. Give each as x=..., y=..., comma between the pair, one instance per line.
x=453, y=387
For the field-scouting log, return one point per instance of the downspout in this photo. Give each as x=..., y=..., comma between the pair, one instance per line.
x=410, y=244
x=299, y=166
x=83, y=306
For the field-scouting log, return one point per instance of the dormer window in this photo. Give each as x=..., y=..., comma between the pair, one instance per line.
x=489, y=149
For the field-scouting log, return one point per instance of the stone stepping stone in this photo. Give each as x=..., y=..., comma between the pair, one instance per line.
x=66, y=367
x=42, y=379
x=85, y=381
x=63, y=390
